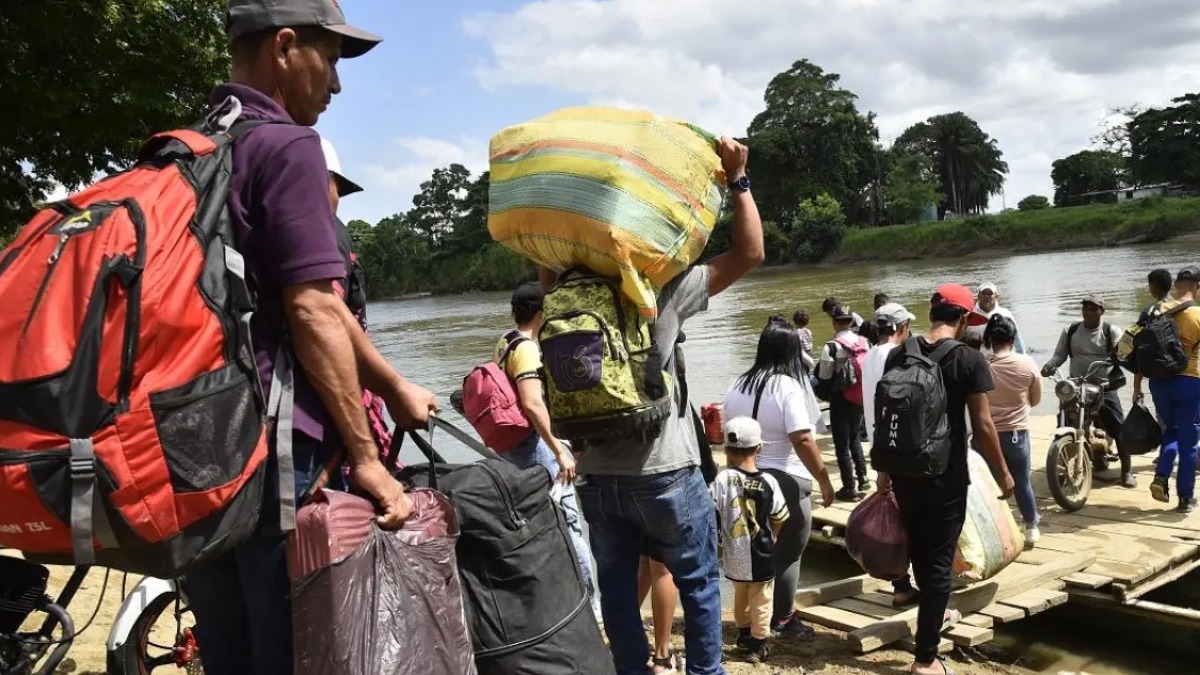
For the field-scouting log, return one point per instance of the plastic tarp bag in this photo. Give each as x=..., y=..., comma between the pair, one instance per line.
x=990, y=538
x=876, y=537
x=371, y=602
x=626, y=194
x=1141, y=432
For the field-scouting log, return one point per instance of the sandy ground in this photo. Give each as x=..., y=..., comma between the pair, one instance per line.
x=829, y=654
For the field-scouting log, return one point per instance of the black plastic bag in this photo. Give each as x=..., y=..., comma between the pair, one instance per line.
x=1141, y=432
x=370, y=602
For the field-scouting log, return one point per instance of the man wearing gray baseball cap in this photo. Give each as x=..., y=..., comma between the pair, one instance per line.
x=285, y=58
x=246, y=17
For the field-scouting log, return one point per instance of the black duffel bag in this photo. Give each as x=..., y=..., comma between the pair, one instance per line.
x=527, y=604
x=1141, y=432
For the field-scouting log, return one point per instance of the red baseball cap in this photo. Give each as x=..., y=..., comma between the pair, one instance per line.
x=959, y=296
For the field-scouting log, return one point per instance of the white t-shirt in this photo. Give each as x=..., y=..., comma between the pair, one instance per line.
x=872, y=374
x=784, y=410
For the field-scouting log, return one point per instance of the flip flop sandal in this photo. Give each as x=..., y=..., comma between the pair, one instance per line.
x=945, y=668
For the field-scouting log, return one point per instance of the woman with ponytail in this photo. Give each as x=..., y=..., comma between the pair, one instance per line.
x=1018, y=389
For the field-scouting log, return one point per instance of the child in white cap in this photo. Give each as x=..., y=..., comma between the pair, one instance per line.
x=750, y=510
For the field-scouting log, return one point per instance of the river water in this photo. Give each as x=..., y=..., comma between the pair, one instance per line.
x=435, y=341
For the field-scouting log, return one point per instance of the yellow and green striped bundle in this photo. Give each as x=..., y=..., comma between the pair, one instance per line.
x=625, y=194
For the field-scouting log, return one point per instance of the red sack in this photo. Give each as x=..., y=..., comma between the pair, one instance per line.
x=370, y=602
x=876, y=538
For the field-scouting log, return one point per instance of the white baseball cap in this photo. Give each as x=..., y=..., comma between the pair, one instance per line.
x=743, y=433
x=894, y=315
x=345, y=186
x=989, y=286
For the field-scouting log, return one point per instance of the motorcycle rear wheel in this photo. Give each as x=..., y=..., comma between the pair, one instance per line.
x=1069, y=473
x=141, y=655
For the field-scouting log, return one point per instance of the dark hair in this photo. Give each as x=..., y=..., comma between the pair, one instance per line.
x=778, y=353
x=524, y=310
x=800, y=318
x=881, y=299
x=247, y=46
x=972, y=340
x=829, y=303
x=1000, y=332
x=885, y=331
x=945, y=313
x=1160, y=281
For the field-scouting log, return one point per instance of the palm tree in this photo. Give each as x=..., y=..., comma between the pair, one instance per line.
x=968, y=161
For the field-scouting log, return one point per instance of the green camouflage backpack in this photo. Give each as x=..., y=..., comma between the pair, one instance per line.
x=604, y=377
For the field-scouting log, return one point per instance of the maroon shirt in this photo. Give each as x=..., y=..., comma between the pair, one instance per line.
x=284, y=227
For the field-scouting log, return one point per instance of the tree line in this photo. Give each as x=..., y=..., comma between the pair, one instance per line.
x=816, y=159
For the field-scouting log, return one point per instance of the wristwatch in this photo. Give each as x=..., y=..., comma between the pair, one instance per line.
x=740, y=185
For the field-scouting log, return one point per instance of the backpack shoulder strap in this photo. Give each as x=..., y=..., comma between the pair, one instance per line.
x=758, y=397
x=1071, y=330
x=514, y=340
x=1178, y=308
x=943, y=350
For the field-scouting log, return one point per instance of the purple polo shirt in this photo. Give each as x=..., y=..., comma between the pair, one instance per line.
x=283, y=224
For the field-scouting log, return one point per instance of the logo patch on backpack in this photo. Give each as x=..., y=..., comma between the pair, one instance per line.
x=605, y=375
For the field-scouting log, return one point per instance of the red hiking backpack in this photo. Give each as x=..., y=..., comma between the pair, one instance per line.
x=132, y=426
x=848, y=368
x=491, y=404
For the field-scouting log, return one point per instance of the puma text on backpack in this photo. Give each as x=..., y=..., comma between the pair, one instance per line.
x=1158, y=352
x=491, y=404
x=847, y=368
x=912, y=432
x=605, y=376
x=132, y=425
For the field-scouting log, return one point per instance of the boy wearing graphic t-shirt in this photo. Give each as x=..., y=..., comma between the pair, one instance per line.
x=751, y=510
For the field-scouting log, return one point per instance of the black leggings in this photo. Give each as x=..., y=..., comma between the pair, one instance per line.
x=791, y=542
x=933, y=516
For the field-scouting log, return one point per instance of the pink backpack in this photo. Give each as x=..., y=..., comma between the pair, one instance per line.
x=491, y=404
x=857, y=353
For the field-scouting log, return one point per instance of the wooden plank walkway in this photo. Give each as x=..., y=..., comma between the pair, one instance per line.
x=1112, y=552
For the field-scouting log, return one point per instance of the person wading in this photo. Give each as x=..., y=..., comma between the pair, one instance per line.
x=934, y=508
x=1084, y=343
x=285, y=56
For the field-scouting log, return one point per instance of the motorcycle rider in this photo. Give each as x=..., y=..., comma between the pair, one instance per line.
x=1085, y=343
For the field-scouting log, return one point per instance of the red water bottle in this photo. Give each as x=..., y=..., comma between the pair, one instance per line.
x=713, y=415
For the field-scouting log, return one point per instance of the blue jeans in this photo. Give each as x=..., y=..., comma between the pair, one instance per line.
x=674, y=510
x=1017, y=450
x=1177, y=401
x=535, y=452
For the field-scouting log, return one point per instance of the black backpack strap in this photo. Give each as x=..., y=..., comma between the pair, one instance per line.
x=1071, y=330
x=514, y=339
x=943, y=350
x=758, y=399
x=1178, y=308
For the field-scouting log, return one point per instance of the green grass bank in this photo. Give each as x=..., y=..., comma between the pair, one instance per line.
x=1145, y=220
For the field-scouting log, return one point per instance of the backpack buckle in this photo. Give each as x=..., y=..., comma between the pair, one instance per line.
x=83, y=468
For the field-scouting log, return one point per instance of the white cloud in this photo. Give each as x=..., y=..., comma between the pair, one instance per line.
x=1037, y=75
x=397, y=174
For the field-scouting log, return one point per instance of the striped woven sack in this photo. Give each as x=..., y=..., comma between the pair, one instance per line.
x=625, y=194
x=990, y=538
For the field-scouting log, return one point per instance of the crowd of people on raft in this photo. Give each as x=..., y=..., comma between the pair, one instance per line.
x=653, y=519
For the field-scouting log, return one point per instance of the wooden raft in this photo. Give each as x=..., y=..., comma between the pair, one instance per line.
x=1112, y=553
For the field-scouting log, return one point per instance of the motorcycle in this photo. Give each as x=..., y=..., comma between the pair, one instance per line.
x=1080, y=447
x=138, y=643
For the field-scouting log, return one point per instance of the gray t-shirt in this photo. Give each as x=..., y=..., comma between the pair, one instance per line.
x=675, y=447
x=1087, y=346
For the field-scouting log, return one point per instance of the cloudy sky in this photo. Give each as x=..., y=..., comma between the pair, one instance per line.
x=1038, y=75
